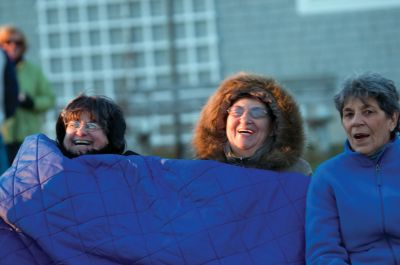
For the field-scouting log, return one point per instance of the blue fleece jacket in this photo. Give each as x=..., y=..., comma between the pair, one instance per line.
x=353, y=210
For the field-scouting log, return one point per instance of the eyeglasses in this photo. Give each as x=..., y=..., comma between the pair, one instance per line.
x=16, y=42
x=89, y=126
x=255, y=113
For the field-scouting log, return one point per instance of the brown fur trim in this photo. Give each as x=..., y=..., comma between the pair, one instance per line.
x=209, y=134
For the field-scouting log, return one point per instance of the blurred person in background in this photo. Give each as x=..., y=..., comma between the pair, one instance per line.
x=352, y=214
x=35, y=94
x=8, y=100
x=251, y=121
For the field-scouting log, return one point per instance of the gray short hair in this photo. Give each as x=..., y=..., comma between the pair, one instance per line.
x=370, y=85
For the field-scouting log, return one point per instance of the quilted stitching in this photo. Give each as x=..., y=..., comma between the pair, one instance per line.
x=110, y=209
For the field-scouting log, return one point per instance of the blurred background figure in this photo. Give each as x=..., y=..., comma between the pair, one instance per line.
x=8, y=100
x=35, y=95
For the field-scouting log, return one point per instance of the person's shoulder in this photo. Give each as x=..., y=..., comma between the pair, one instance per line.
x=129, y=153
x=331, y=166
x=301, y=166
x=28, y=65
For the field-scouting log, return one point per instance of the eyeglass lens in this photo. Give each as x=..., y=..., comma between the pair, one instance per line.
x=90, y=126
x=255, y=113
x=16, y=42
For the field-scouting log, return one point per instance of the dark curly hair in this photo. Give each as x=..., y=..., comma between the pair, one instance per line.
x=103, y=111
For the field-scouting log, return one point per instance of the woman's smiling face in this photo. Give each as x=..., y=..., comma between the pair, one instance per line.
x=247, y=127
x=84, y=135
x=367, y=126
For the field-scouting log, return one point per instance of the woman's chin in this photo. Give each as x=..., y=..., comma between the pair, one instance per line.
x=81, y=150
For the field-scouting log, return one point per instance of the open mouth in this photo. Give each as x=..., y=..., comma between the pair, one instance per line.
x=245, y=131
x=360, y=136
x=81, y=142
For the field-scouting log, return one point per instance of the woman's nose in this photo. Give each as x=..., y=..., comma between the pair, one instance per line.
x=358, y=119
x=246, y=117
x=81, y=130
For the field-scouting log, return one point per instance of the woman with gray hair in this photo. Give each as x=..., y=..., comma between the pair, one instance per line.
x=352, y=204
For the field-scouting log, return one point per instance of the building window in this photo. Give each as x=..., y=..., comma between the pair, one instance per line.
x=161, y=58
x=96, y=62
x=76, y=64
x=157, y=7
x=180, y=30
x=134, y=9
x=117, y=61
x=74, y=39
x=203, y=54
x=163, y=80
x=114, y=11
x=139, y=60
x=78, y=87
x=179, y=6
x=93, y=13
x=120, y=85
x=116, y=36
x=56, y=65
x=200, y=28
x=136, y=35
x=52, y=16
x=205, y=77
x=94, y=37
x=199, y=6
x=98, y=85
x=181, y=56
x=129, y=40
x=54, y=40
x=159, y=32
x=72, y=14
x=140, y=81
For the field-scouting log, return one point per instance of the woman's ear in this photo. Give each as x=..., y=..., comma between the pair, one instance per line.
x=395, y=120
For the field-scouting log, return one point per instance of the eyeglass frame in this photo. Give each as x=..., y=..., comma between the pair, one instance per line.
x=19, y=43
x=88, y=126
x=243, y=110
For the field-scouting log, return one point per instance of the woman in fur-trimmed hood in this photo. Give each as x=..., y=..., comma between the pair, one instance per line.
x=281, y=148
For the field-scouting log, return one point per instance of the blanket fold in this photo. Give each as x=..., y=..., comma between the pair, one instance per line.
x=112, y=209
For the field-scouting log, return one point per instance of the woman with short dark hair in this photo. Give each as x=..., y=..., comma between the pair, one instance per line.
x=91, y=125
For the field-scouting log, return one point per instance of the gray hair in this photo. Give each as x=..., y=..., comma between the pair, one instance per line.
x=370, y=85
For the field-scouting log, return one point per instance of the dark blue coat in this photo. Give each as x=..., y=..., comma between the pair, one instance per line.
x=112, y=209
x=10, y=86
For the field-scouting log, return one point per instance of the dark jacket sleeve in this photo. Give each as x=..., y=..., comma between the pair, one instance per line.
x=11, y=88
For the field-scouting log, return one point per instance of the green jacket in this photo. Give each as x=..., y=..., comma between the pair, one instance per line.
x=26, y=122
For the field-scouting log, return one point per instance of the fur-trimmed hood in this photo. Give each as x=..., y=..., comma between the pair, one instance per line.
x=287, y=145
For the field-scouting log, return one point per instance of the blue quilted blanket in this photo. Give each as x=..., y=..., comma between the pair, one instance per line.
x=111, y=209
